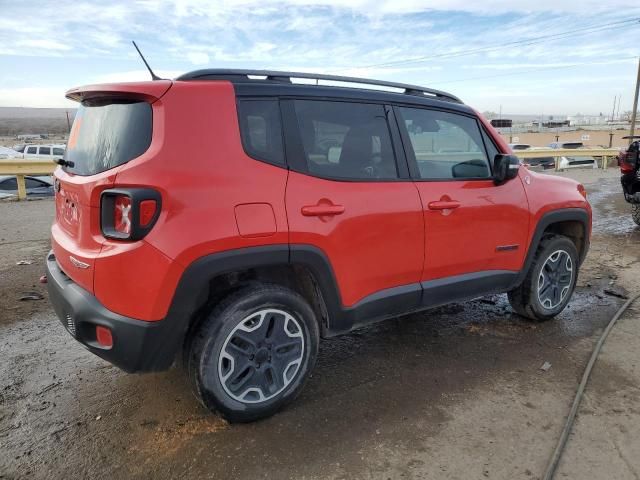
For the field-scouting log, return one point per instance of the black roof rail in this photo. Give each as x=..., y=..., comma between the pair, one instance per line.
x=277, y=76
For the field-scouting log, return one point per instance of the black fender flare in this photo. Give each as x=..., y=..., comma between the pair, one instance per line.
x=192, y=289
x=556, y=216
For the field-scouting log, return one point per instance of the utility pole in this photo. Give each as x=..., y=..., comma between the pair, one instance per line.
x=613, y=116
x=635, y=106
x=613, y=112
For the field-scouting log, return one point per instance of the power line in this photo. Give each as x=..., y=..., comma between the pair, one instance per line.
x=523, y=42
x=615, y=60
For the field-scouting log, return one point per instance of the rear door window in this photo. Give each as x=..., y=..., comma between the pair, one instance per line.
x=45, y=151
x=346, y=140
x=32, y=150
x=106, y=134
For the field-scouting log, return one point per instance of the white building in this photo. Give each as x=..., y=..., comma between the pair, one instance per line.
x=580, y=119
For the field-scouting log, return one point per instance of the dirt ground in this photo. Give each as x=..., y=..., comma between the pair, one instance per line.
x=455, y=392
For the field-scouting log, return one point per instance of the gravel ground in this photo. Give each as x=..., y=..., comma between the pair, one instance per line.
x=455, y=392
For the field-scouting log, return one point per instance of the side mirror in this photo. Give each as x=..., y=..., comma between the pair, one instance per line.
x=505, y=167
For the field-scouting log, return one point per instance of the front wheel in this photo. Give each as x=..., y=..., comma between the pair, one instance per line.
x=253, y=353
x=635, y=212
x=551, y=279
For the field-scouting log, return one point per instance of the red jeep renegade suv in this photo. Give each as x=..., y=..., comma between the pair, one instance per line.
x=234, y=217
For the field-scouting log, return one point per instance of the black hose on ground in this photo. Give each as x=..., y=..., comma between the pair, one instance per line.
x=557, y=454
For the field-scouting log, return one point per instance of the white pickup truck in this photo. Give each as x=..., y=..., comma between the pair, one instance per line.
x=42, y=151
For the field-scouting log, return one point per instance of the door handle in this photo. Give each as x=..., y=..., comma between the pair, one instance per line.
x=444, y=205
x=322, y=210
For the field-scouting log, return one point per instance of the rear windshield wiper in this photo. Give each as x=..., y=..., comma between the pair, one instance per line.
x=63, y=163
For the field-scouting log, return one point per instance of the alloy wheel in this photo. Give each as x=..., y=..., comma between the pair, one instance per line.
x=555, y=279
x=261, y=356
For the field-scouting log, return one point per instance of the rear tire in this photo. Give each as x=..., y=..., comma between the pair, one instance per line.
x=253, y=353
x=635, y=212
x=550, y=282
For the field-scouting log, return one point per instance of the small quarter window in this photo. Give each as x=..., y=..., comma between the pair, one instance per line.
x=492, y=150
x=261, y=130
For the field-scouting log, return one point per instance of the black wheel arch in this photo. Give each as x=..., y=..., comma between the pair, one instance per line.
x=304, y=268
x=574, y=223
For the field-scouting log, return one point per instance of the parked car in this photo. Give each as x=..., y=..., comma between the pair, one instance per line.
x=295, y=212
x=44, y=151
x=545, y=163
x=7, y=153
x=577, y=162
x=519, y=146
x=40, y=186
x=566, y=145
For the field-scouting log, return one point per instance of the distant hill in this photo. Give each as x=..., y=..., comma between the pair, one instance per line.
x=19, y=120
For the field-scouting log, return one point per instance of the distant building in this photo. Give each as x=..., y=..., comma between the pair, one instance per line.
x=552, y=124
x=583, y=120
x=502, y=123
x=30, y=136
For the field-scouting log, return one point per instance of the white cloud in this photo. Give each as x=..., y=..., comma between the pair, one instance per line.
x=356, y=38
x=198, y=58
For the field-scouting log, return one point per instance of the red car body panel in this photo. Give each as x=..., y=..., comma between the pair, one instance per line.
x=547, y=193
x=375, y=244
x=487, y=231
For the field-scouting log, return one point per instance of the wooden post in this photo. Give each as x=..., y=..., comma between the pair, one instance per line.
x=22, y=189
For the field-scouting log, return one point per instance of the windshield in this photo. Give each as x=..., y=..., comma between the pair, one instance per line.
x=106, y=134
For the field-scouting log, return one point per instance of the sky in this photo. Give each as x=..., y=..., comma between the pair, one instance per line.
x=521, y=56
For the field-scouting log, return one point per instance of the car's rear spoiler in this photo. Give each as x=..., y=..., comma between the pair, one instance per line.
x=147, y=91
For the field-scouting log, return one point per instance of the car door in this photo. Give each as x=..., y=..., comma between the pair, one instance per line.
x=348, y=196
x=44, y=152
x=473, y=227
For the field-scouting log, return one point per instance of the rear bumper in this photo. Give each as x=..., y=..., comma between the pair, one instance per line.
x=138, y=346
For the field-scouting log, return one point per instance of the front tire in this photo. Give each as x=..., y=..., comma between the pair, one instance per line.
x=253, y=353
x=635, y=212
x=550, y=282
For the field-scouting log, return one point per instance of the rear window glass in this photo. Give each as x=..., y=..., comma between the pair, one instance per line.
x=108, y=134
